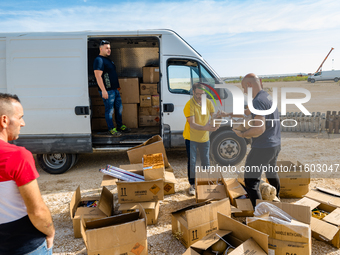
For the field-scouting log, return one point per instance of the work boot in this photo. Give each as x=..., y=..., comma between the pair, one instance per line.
x=124, y=129
x=115, y=133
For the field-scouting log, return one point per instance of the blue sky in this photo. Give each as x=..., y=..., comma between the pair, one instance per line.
x=235, y=37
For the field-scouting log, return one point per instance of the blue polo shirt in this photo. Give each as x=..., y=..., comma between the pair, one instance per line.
x=110, y=77
x=272, y=135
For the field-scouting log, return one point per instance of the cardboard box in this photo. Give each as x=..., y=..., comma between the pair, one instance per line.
x=145, y=101
x=208, y=189
x=169, y=181
x=104, y=208
x=245, y=239
x=148, y=89
x=129, y=90
x=194, y=222
x=153, y=166
x=292, y=173
x=151, y=210
x=149, y=121
x=130, y=115
x=121, y=234
x=151, y=146
x=155, y=100
x=293, y=190
x=94, y=91
x=98, y=124
x=150, y=74
x=325, y=229
x=148, y=111
x=284, y=237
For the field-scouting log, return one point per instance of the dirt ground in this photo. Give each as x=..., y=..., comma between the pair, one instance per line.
x=308, y=148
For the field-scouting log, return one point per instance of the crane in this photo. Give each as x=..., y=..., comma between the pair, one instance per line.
x=320, y=67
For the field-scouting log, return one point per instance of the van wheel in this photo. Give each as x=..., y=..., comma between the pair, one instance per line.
x=56, y=163
x=227, y=148
x=336, y=79
x=312, y=80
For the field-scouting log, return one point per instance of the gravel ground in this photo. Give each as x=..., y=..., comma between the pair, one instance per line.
x=308, y=148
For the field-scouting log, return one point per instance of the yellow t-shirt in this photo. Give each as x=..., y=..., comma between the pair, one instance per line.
x=194, y=109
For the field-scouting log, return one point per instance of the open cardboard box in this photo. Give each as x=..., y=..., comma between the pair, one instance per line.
x=192, y=223
x=209, y=188
x=121, y=234
x=151, y=210
x=286, y=238
x=325, y=229
x=294, y=180
x=246, y=240
x=151, y=146
x=104, y=208
x=168, y=183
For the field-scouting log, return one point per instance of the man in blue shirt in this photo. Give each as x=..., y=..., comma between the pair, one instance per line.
x=107, y=80
x=266, y=141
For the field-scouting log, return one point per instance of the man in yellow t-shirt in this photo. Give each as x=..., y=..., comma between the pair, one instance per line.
x=196, y=132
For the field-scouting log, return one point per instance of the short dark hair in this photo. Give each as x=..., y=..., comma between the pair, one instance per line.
x=6, y=102
x=104, y=42
x=197, y=85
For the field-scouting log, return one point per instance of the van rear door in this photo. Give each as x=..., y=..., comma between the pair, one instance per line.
x=49, y=74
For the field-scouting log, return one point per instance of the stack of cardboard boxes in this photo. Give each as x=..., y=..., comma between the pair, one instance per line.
x=149, y=98
x=158, y=182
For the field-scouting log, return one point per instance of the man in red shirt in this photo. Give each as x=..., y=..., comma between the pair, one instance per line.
x=26, y=224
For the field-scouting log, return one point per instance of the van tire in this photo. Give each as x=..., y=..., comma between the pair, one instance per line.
x=336, y=79
x=226, y=148
x=312, y=80
x=56, y=163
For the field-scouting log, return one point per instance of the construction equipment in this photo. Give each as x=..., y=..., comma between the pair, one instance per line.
x=319, y=70
x=320, y=67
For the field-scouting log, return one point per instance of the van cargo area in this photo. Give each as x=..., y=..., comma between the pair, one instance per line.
x=140, y=95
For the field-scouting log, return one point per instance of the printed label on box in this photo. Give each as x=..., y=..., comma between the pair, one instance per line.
x=154, y=189
x=137, y=249
x=167, y=187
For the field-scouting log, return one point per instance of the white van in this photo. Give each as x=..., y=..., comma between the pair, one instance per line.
x=325, y=76
x=52, y=74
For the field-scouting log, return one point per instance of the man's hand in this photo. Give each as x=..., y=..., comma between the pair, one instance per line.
x=105, y=95
x=211, y=128
x=49, y=241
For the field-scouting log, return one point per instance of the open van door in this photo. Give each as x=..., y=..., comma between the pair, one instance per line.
x=49, y=74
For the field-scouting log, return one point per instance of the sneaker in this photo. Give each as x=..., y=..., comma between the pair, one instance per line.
x=124, y=129
x=115, y=133
x=192, y=190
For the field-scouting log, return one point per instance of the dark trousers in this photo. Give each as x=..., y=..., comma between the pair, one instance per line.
x=192, y=157
x=256, y=159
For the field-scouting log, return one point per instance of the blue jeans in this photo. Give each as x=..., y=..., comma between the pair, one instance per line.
x=192, y=156
x=42, y=250
x=113, y=105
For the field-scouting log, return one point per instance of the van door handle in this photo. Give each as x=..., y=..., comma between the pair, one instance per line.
x=82, y=110
x=168, y=107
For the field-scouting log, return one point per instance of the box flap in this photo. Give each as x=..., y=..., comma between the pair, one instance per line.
x=207, y=213
x=248, y=247
x=131, y=167
x=170, y=177
x=244, y=204
x=333, y=217
x=308, y=202
x=154, y=173
x=108, y=180
x=190, y=251
x=234, y=188
x=242, y=231
x=210, y=239
x=89, y=213
x=328, y=191
x=113, y=220
x=324, y=197
x=106, y=202
x=235, y=210
x=324, y=229
x=298, y=212
x=74, y=202
x=134, y=206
